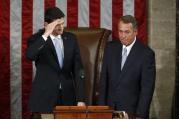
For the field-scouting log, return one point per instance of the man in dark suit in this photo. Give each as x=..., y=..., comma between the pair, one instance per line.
x=128, y=72
x=58, y=65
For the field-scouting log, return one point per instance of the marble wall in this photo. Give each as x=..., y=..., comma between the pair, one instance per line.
x=162, y=39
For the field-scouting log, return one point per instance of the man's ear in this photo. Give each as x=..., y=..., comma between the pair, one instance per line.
x=45, y=24
x=136, y=31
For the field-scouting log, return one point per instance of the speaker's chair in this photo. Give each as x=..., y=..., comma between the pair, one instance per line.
x=92, y=42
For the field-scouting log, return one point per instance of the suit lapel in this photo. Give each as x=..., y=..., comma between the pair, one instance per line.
x=65, y=46
x=120, y=57
x=50, y=43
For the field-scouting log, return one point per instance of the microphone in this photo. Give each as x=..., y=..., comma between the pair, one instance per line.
x=79, y=82
x=82, y=77
x=82, y=74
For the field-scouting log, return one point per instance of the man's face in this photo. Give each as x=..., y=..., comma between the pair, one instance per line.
x=126, y=33
x=58, y=30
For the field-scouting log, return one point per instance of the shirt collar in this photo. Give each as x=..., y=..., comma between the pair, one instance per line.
x=129, y=46
x=53, y=37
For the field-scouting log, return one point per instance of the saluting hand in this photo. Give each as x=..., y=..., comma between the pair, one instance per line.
x=49, y=27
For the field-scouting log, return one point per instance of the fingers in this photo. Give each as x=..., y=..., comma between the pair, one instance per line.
x=54, y=23
x=80, y=104
x=51, y=26
x=60, y=21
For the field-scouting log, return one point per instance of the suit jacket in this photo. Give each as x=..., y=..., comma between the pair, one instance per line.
x=131, y=89
x=45, y=87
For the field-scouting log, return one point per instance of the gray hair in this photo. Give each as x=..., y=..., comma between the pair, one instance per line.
x=129, y=19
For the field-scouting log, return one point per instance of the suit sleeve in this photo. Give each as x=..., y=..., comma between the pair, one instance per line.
x=147, y=84
x=77, y=69
x=103, y=80
x=34, y=45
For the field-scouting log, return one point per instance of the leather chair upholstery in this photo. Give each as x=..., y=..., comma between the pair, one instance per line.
x=92, y=42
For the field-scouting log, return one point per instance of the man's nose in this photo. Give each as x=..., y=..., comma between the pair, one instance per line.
x=123, y=35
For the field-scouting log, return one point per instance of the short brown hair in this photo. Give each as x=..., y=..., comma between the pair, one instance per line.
x=129, y=19
x=52, y=14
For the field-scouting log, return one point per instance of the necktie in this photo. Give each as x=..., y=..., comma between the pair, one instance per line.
x=59, y=50
x=124, y=57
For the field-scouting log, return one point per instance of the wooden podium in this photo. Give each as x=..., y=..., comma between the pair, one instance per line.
x=83, y=112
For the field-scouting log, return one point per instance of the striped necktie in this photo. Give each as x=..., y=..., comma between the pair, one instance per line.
x=124, y=57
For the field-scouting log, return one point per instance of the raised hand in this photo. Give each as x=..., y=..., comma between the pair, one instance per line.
x=51, y=26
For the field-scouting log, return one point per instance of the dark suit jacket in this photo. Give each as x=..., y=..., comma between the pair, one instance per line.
x=131, y=89
x=49, y=75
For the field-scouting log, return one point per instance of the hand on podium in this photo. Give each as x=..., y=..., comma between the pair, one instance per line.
x=120, y=115
x=80, y=104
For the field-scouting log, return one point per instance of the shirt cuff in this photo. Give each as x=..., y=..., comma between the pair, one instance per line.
x=45, y=38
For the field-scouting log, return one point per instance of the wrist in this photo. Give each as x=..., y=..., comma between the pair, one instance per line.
x=44, y=37
x=46, y=34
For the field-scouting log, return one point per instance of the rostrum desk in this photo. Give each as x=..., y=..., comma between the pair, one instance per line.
x=83, y=112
